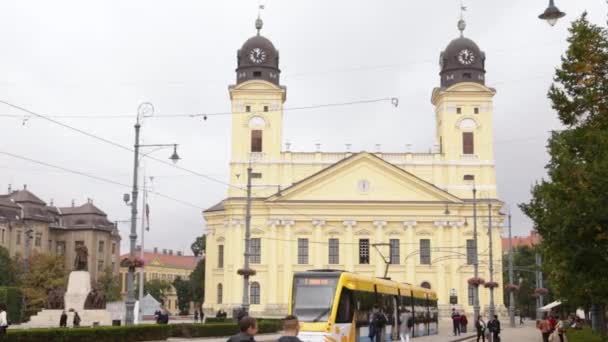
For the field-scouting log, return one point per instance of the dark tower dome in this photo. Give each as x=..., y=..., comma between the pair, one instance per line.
x=258, y=59
x=462, y=61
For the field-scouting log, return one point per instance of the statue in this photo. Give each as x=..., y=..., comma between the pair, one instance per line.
x=81, y=260
x=96, y=299
x=54, y=299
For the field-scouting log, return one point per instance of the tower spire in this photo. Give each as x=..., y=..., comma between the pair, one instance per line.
x=258, y=22
x=461, y=23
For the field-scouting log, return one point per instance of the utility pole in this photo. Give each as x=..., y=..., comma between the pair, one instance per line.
x=511, y=295
x=246, y=272
x=492, y=309
x=142, y=255
x=130, y=302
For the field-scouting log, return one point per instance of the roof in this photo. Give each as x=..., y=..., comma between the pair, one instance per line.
x=87, y=208
x=25, y=196
x=217, y=207
x=517, y=241
x=177, y=261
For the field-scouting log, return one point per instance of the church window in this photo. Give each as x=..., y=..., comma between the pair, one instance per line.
x=471, y=295
x=470, y=252
x=38, y=240
x=302, y=251
x=458, y=110
x=220, y=295
x=265, y=108
x=60, y=248
x=256, y=140
x=468, y=178
x=248, y=109
x=334, y=251
x=101, y=247
x=394, y=251
x=255, y=251
x=467, y=76
x=363, y=251
x=468, y=143
x=425, y=251
x=426, y=285
x=254, y=293
x=467, y=124
x=257, y=74
x=476, y=110
x=220, y=256
x=257, y=122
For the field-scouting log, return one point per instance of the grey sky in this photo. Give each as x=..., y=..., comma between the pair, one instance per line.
x=106, y=57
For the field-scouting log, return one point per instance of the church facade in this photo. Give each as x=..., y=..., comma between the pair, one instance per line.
x=357, y=211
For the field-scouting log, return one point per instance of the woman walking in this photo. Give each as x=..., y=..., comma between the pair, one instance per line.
x=3, y=321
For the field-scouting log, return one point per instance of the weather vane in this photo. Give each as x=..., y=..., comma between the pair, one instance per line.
x=461, y=23
x=259, y=23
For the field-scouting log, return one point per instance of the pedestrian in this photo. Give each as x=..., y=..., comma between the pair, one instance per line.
x=561, y=328
x=3, y=321
x=463, y=323
x=291, y=329
x=544, y=327
x=195, y=316
x=63, y=320
x=552, y=322
x=76, y=321
x=456, y=322
x=378, y=323
x=521, y=318
x=480, y=326
x=248, y=327
x=406, y=323
x=494, y=327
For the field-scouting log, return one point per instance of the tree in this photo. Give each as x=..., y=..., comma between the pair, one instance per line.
x=199, y=245
x=569, y=208
x=157, y=288
x=46, y=272
x=8, y=269
x=109, y=284
x=184, y=295
x=197, y=283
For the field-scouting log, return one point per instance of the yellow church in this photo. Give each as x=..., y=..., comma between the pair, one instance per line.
x=318, y=210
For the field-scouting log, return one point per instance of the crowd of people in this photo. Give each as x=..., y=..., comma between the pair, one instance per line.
x=553, y=327
x=249, y=328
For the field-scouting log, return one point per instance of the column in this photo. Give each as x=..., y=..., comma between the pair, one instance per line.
x=290, y=258
x=273, y=271
x=379, y=237
x=319, y=248
x=412, y=246
x=443, y=285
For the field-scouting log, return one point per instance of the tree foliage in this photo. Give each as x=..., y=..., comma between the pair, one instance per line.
x=184, y=295
x=109, y=284
x=199, y=245
x=197, y=283
x=157, y=288
x=8, y=269
x=46, y=272
x=570, y=208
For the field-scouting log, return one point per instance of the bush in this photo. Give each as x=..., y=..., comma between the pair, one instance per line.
x=584, y=335
x=13, y=298
x=218, y=320
x=132, y=333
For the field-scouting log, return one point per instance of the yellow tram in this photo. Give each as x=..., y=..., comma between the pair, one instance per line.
x=336, y=306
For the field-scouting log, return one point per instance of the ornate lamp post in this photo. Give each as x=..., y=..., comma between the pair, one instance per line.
x=552, y=14
x=471, y=180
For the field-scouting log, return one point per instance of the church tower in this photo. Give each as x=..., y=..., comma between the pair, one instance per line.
x=463, y=109
x=257, y=107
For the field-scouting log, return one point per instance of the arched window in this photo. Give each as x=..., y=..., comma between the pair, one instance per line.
x=467, y=124
x=257, y=122
x=426, y=285
x=220, y=295
x=254, y=292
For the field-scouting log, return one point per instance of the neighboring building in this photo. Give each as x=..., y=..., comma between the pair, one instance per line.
x=517, y=241
x=315, y=210
x=29, y=225
x=163, y=265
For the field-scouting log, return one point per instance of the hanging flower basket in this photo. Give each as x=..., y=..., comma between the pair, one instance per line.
x=491, y=285
x=132, y=262
x=541, y=291
x=476, y=281
x=512, y=287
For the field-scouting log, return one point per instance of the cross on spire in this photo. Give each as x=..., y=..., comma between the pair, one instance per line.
x=258, y=22
x=461, y=23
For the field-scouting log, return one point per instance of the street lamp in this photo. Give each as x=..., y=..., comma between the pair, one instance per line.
x=470, y=179
x=144, y=110
x=552, y=14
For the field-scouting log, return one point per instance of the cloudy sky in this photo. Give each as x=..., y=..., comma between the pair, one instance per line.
x=105, y=57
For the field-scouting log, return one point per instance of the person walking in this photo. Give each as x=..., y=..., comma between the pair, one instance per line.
x=195, y=316
x=3, y=321
x=463, y=323
x=76, y=321
x=248, y=327
x=63, y=320
x=494, y=327
x=544, y=327
x=406, y=323
x=561, y=328
x=456, y=322
x=377, y=324
x=480, y=326
x=291, y=329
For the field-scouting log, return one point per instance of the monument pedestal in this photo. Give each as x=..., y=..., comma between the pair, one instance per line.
x=79, y=286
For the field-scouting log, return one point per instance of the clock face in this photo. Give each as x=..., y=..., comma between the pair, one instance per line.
x=257, y=55
x=466, y=57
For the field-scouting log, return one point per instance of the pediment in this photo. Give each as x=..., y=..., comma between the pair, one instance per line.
x=424, y=232
x=220, y=239
x=257, y=231
x=393, y=233
x=363, y=232
x=303, y=232
x=333, y=232
x=155, y=262
x=364, y=177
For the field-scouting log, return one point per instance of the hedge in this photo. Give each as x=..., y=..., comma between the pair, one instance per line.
x=583, y=335
x=13, y=298
x=150, y=332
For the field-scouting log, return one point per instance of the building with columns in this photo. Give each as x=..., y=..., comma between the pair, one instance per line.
x=328, y=210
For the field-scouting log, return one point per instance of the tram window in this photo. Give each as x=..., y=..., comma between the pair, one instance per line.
x=406, y=301
x=364, y=303
x=345, y=307
x=387, y=305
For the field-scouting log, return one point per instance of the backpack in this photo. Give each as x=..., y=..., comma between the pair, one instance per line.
x=379, y=320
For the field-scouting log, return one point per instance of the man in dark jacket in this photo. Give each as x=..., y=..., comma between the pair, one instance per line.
x=456, y=322
x=63, y=320
x=494, y=327
x=291, y=328
x=248, y=327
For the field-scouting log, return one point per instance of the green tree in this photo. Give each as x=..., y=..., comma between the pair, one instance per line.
x=8, y=269
x=197, y=283
x=184, y=295
x=569, y=208
x=109, y=284
x=199, y=245
x=46, y=272
x=157, y=288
